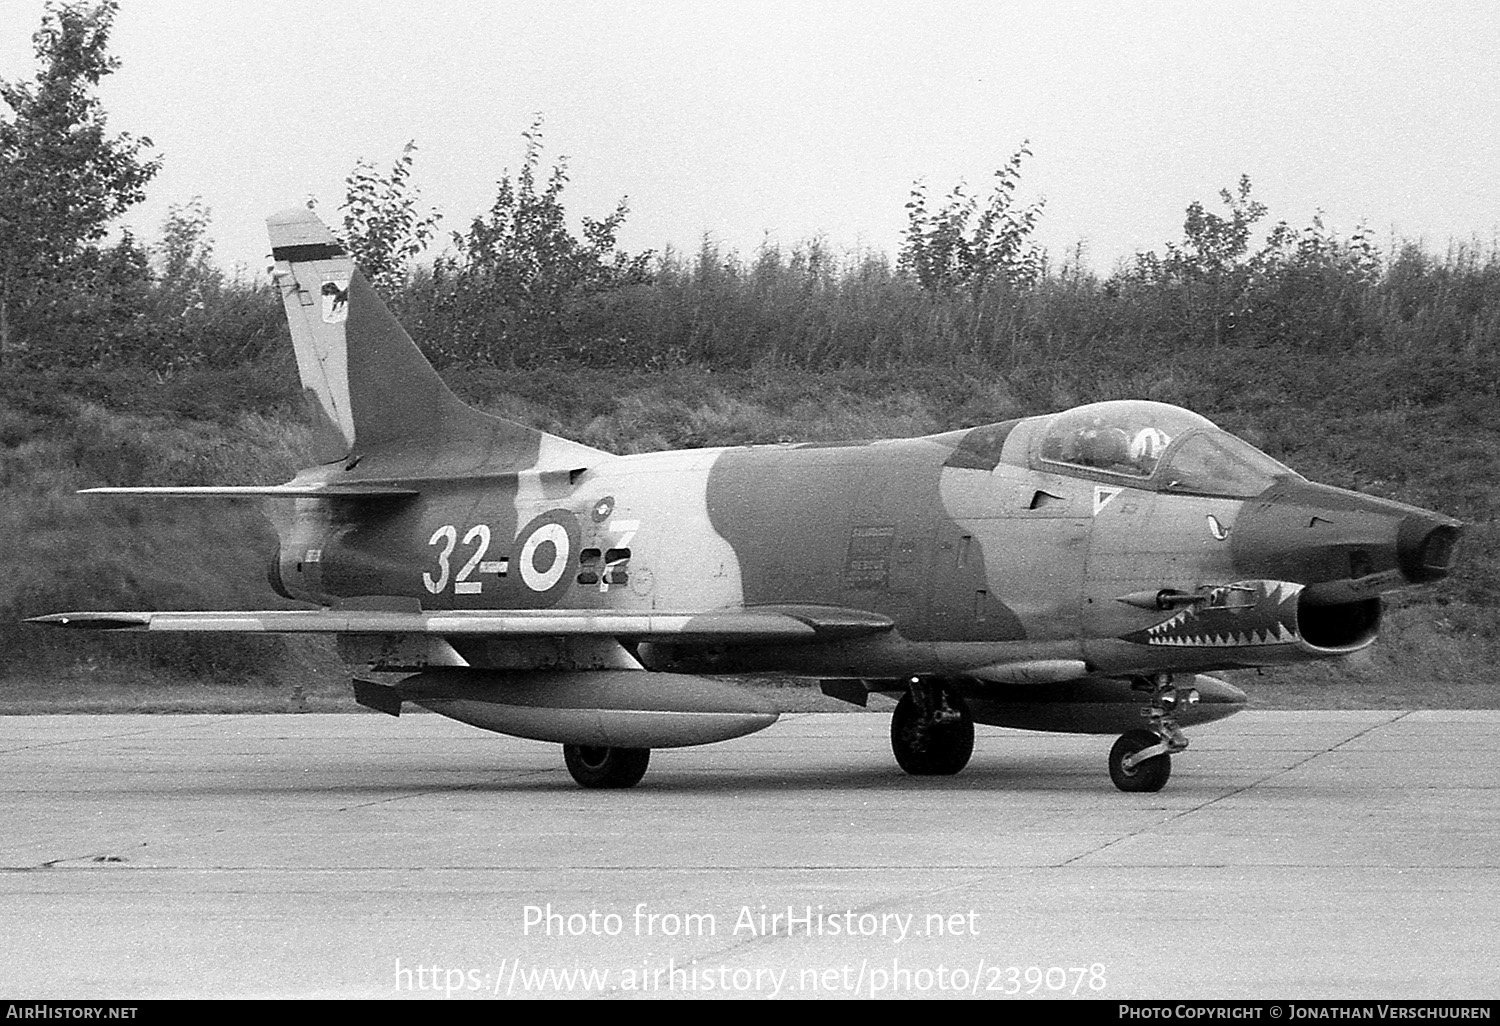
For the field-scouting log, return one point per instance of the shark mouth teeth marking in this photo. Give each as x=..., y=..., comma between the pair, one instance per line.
x=1248, y=614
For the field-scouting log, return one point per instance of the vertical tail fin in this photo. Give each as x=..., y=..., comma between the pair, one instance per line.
x=371, y=389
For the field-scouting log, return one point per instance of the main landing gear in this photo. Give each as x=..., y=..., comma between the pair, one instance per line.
x=597, y=766
x=1141, y=760
x=932, y=732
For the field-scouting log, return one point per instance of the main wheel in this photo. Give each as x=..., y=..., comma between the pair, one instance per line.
x=595, y=766
x=927, y=749
x=1150, y=775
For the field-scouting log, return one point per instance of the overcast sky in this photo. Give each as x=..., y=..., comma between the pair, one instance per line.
x=745, y=121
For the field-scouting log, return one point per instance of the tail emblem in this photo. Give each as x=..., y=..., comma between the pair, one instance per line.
x=335, y=300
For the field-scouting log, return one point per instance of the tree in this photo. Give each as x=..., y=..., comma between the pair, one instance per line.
x=63, y=179
x=382, y=227
x=1213, y=244
x=1210, y=276
x=943, y=252
x=1312, y=287
x=186, y=290
x=520, y=276
x=198, y=314
x=184, y=256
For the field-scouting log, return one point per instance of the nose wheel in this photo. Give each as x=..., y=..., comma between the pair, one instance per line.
x=1141, y=760
x=1130, y=771
x=932, y=731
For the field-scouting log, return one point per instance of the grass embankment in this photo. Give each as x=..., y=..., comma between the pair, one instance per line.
x=1430, y=440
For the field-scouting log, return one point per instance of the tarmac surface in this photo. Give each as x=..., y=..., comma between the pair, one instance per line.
x=1292, y=855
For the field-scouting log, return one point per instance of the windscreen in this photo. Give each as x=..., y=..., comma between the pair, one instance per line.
x=1217, y=463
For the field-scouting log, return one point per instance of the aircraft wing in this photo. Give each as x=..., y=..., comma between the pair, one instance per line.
x=759, y=624
x=314, y=490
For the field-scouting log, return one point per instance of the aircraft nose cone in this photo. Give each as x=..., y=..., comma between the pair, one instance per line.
x=1424, y=546
x=1312, y=533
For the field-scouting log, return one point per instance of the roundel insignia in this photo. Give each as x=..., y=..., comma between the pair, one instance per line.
x=546, y=550
x=602, y=509
x=544, y=557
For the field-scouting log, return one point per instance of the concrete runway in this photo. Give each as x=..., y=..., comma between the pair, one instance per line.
x=1292, y=855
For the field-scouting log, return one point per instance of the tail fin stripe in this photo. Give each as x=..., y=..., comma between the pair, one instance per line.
x=305, y=253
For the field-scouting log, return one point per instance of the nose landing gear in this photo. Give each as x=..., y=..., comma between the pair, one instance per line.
x=1141, y=760
x=932, y=731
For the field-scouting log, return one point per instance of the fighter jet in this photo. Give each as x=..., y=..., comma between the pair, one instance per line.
x=1083, y=571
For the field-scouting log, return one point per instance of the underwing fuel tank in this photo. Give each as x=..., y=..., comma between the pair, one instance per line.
x=604, y=708
x=1100, y=705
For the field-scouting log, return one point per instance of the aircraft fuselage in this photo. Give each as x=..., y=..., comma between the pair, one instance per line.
x=986, y=560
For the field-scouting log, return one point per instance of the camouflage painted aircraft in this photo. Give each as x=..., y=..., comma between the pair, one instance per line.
x=1079, y=572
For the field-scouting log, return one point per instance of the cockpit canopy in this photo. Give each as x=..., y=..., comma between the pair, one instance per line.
x=1160, y=446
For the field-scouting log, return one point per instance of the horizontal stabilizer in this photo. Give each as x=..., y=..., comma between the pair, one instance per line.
x=726, y=626
x=282, y=491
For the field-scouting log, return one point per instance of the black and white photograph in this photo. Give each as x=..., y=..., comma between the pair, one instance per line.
x=757, y=500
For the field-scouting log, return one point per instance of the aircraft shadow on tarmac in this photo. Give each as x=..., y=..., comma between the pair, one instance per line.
x=999, y=774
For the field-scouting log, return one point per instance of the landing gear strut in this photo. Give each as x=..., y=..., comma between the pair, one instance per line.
x=595, y=766
x=1141, y=760
x=932, y=731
